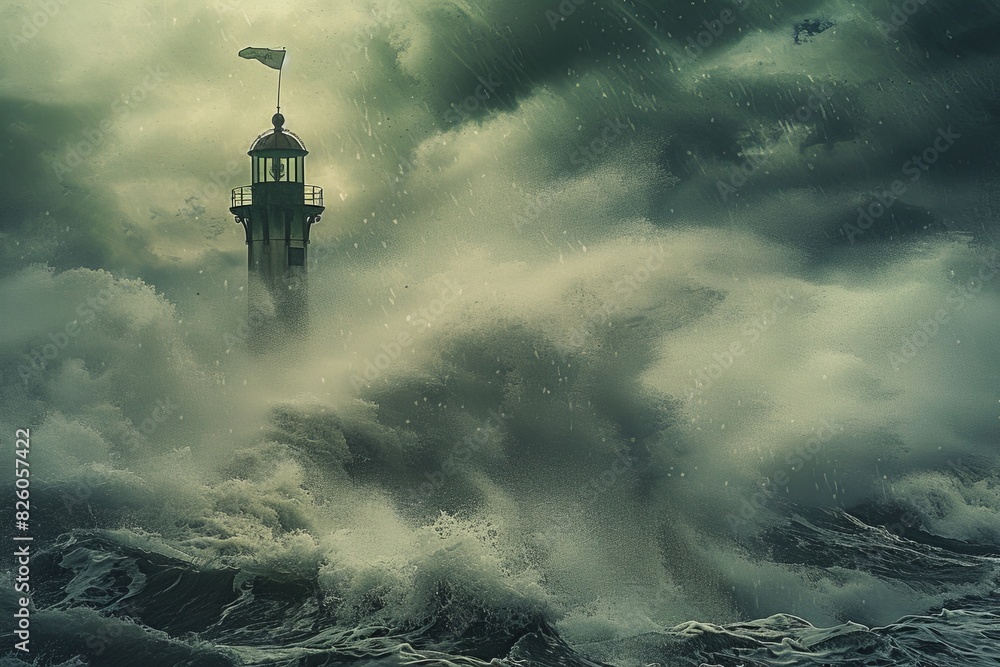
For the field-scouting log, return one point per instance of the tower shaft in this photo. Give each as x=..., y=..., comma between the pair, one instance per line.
x=277, y=211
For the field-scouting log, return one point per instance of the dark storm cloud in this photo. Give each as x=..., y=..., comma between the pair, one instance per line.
x=457, y=67
x=46, y=219
x=56, y=155
x=729, y=124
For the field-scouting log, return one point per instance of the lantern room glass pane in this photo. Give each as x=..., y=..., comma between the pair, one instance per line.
x=278, y=169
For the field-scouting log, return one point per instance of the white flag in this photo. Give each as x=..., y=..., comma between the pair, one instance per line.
x=270, y=57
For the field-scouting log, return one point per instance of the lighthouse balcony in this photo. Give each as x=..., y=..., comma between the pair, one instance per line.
x=308, y=195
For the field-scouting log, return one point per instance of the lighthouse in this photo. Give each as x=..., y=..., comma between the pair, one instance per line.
x=277, y=211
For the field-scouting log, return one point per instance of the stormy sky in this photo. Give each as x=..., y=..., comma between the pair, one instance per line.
x=709, y=230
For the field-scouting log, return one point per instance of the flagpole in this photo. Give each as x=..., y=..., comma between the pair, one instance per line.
x=279, y=79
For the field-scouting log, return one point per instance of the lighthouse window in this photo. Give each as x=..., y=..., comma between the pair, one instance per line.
x=270, y=169
x=277, y=169
x=296, y=257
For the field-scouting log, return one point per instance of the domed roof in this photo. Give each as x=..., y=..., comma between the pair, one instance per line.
x=278, y=139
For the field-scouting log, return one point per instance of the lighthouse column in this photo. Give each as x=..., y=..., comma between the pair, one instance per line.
x=277, y=211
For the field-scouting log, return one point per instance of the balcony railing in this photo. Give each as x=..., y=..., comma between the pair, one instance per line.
x=312, y=195
x=243, y=196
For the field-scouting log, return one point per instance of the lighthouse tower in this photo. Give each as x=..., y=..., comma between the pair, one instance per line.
x=276, y=212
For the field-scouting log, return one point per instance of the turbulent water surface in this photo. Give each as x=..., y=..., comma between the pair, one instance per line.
x=641, y=333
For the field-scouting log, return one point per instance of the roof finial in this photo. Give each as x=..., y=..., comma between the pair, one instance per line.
x=278, y=120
